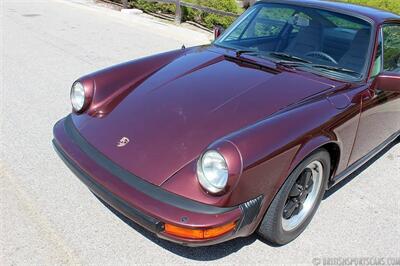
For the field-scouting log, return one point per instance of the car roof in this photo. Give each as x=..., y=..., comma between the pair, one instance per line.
x=377, y=15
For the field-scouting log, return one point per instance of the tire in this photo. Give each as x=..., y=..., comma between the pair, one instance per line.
x=272, y=226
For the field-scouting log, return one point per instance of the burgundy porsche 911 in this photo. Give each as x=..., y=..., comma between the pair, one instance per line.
x=205, y=144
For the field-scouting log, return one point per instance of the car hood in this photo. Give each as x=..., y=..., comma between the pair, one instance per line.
x=183, y=107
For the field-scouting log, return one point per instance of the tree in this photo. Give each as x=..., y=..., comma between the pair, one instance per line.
x=390, y=5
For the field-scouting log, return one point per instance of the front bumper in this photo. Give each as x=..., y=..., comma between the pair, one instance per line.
x=146, y=204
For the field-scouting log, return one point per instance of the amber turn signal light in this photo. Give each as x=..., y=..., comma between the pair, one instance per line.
x=199, y=233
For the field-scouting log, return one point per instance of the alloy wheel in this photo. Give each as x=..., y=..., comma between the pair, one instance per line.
x=303, y=196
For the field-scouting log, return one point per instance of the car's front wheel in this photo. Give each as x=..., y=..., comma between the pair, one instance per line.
x=297, y=201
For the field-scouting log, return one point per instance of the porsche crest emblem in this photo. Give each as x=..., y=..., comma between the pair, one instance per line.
x=123, y=142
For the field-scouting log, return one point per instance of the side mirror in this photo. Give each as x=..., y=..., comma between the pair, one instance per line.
x=218, y=30
x=388, y=82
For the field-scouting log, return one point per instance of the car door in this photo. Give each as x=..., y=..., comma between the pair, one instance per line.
x=380, y=114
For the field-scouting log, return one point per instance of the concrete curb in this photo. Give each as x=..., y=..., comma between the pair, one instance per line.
x=132, y=11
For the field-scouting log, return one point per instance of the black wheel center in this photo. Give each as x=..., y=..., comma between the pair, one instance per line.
x=298, y=194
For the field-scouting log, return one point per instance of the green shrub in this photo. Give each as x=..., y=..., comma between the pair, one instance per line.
x=189, y=14
x=390, y=5
x=210, y=20
x=153, y=7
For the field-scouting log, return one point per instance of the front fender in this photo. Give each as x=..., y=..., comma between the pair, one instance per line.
x=269, y=151
x=312, y=145
x=272, y=148
x=111, y=85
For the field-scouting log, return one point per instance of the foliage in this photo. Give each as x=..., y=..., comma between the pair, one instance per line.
x=153, y=7
x=391, y=36
x=210, y=20
x=206, y=19
x=390, y=5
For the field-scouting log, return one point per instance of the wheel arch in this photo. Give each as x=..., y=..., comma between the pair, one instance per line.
x=326, y=142
x=335, y=155
x=331, y=145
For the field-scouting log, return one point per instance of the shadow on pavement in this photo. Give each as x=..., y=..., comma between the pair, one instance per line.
x=215, y=252
x=209, y=253
x=348, y=179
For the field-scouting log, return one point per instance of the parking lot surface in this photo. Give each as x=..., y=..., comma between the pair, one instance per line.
x=49, y=217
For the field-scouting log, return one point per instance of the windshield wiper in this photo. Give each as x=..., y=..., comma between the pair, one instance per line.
x=337, y=69
x=240, y=52
x=289, y=57
x=292, y=64
x=251, y=62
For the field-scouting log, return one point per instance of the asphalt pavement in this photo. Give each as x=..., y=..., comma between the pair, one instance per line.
x=49, y=217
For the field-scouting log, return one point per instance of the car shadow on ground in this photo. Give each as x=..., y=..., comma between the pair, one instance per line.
x=352, y=176
x=218, y=251
x=209, y=253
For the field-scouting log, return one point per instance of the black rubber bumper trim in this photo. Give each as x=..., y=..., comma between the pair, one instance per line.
x=250, y=211
x=136, y=182
x=146, y=221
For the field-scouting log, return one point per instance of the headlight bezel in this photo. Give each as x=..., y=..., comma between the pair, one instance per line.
x=205, y=181
x=86, y=97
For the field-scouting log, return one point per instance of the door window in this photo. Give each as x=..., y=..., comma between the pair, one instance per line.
x=391, y=48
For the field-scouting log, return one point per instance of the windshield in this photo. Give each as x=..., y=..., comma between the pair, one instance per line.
x=303, y=36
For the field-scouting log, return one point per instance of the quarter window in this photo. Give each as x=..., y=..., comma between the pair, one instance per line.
x=391, y=48
x=378, y=59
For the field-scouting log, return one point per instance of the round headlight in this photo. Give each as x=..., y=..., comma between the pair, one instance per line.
x=212, y=171
x=78, y=96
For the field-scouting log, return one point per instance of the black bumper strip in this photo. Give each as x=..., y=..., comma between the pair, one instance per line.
x=136, y=182
x=250, y=210
x=146, y=221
